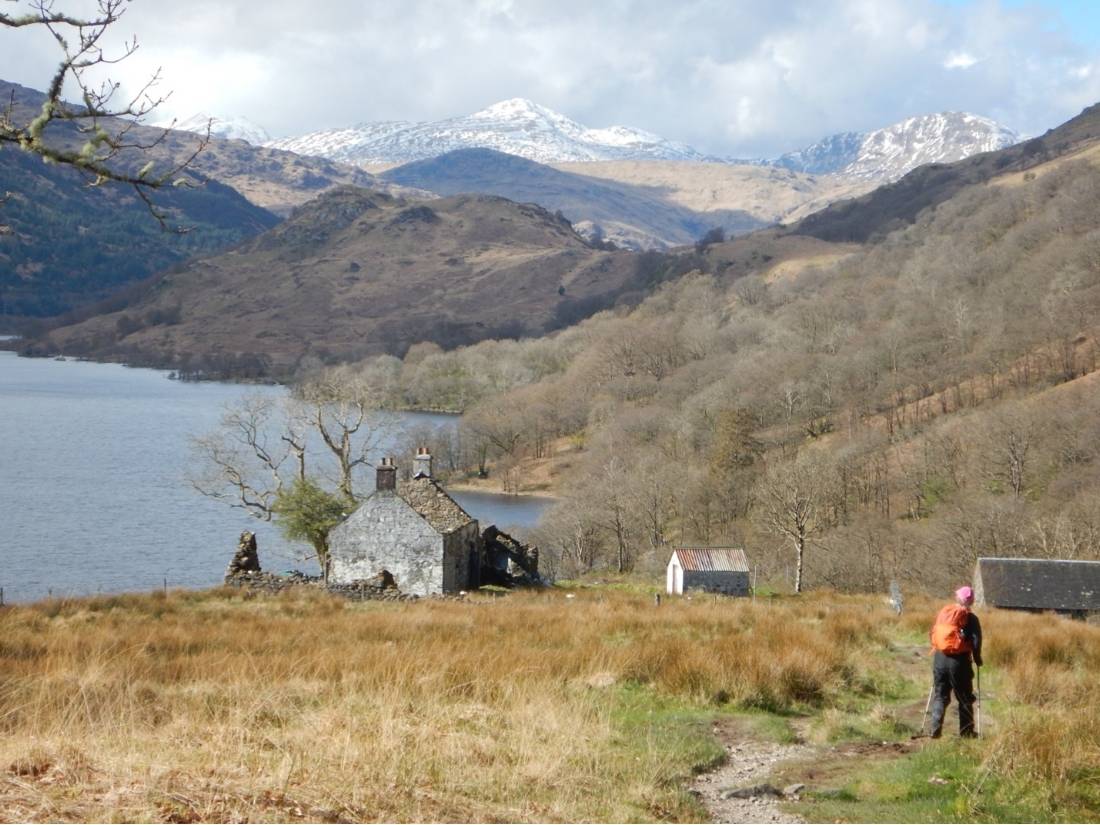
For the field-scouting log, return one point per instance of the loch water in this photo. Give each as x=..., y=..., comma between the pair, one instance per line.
x=94, y=496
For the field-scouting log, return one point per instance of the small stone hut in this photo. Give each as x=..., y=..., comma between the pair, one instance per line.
x=1071, y=588
x=413, y=530
x=709, y=569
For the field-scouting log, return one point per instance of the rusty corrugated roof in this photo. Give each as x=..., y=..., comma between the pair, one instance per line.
x=713, y=559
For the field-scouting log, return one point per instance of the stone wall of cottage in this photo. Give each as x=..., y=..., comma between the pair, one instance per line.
x=385, y=533
x=461, y=559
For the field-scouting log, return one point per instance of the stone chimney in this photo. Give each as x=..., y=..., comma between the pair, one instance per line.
x=422, y=466
x=386, y=476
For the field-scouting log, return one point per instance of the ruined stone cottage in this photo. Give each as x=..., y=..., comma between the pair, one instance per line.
x=413, y=530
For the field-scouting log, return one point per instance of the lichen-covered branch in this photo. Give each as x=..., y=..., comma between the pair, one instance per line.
x=103, y=125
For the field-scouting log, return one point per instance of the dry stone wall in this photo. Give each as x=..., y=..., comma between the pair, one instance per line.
x=369, y=590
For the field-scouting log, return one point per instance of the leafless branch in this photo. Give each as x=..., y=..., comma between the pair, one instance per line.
x=105, y=127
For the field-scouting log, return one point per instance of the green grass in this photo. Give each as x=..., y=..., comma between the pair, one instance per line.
x=615, y=582
x=771, y=727
x=943, y=782
x=658, y=734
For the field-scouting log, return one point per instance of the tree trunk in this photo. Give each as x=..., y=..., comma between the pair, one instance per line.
x=800, y=551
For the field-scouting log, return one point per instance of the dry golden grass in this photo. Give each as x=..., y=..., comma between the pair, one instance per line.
x=1049, y=738
x=218, y=707
x=213, y=707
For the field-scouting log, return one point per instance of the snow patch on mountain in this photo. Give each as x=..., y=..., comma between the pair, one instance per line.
x=237, y=128
x=888, y=154
x=517, y=126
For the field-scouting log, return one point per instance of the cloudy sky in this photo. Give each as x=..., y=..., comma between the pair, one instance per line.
x=731, y=77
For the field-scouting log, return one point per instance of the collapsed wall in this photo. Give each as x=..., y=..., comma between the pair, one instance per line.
x=508, y=562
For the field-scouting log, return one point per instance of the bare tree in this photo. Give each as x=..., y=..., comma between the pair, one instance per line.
x=793, y=504
x=346, y=417
x=501, y=428
x=610, y=510
x=1010, y=440
x=267, y=449
x=104, y=125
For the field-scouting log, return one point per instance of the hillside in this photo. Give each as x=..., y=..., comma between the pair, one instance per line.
x=65, y=245
x=930, y=393
x=768, y=194
x=630, y=215
x=898, y=204
x=354, y=273
x=273, y=179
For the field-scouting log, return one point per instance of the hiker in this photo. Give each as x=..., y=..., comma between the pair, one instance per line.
x=956, y=636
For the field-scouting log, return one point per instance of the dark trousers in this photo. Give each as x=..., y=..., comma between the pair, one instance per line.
x=952, y=674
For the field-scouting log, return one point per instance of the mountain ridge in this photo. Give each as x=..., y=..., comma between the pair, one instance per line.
x=235, y=128
x=529, y=130
x=888, y=153
x=633, y=217
x=517, y=126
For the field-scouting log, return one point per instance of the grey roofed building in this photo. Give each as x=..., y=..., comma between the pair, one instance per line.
x=711, y=569
x=1071, y=587
x=412, y=530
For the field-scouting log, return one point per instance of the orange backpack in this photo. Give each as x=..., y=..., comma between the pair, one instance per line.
x=947, y=632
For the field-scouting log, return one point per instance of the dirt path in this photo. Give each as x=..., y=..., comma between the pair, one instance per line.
x=760, y=775
x=751, y=763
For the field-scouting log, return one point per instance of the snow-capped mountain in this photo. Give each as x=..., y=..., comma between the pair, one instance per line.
x=517, y=126
x=237, y=128
x=888, y=154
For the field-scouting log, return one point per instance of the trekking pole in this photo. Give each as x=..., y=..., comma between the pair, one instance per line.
x=979, y=719
x=927, y=705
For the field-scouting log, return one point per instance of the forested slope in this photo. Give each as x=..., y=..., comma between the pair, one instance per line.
x=898, y=409
x=64, y=244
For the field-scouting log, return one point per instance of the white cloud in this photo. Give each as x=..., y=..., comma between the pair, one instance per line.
x=960, y=60
x=743, y=78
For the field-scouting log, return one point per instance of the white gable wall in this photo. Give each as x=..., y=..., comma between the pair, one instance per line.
x=385, y=533
x=674, y=577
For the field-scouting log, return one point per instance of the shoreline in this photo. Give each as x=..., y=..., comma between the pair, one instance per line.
x=496, y=489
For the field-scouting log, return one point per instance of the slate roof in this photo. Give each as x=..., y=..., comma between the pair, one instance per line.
x=431, y=501
x=713, y=559
x=1038, y=584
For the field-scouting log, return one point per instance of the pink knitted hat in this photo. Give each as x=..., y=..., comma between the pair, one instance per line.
x=965, y=594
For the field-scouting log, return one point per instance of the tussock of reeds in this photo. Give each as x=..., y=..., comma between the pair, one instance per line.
x=215, y=707
x=1048, y=741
